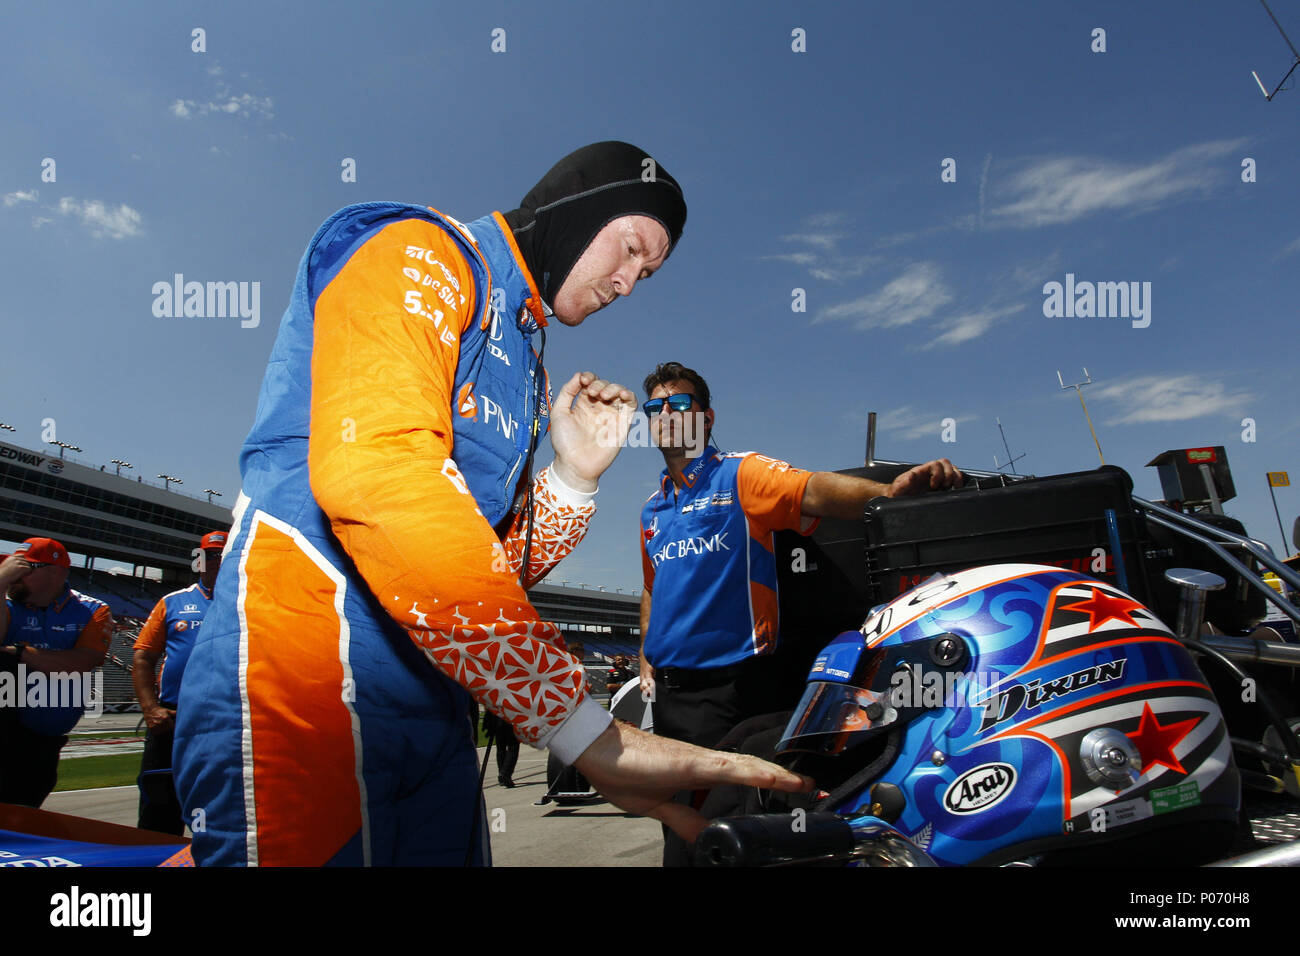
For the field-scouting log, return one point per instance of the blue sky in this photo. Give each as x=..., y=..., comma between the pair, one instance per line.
x=817, y=170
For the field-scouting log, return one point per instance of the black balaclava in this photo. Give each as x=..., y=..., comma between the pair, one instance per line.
x=580, y=195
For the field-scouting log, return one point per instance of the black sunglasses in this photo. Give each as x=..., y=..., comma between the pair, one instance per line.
x=678, y=403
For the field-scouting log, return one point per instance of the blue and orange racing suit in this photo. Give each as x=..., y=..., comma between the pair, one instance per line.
x=371, y=578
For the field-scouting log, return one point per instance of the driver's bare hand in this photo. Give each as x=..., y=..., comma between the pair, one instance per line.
x=641, y=772
x=931, y=476
x=589, y=425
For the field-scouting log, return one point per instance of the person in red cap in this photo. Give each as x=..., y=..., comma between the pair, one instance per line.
x=169, y=632
x=50, y=628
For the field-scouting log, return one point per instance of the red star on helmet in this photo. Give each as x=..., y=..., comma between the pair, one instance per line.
x=1102, y=607
x=1156, y=742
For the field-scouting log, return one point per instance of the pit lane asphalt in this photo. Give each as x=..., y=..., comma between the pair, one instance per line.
x=588, y=834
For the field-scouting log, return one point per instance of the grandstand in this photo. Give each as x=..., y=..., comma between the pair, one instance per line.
x=100, y=516
x=607, y=624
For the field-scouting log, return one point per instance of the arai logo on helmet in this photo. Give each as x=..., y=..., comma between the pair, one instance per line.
x=977, y=790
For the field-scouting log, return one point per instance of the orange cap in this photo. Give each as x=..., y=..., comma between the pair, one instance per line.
x=213, y=539
x=44, y=551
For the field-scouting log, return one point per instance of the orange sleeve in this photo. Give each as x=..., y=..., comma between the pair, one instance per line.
x=380, y=464
x=98, y=631
x=557, y=529
x=771, y=494
x=153, y=636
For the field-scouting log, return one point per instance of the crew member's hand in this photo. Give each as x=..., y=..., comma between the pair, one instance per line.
x=931, y=476
x=159, y=717
x=589, y=424
x=647, y=680
x=13, y=568
x=641, y=772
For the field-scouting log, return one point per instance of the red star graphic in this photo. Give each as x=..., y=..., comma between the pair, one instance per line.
x=1156, y=743
x=1101, y=607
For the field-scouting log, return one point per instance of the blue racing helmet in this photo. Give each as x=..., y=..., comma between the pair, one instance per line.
x=1018, y=711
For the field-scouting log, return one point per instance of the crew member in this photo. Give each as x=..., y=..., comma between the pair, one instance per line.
x=50, y=628
x=709, y=605
x=170, y=630
x=374, y=577
x=502, y=733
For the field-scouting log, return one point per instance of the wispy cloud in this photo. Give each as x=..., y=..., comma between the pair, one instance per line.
x=908, y=423
x=971, y=325
x=820, y=237
x=844, y=267
x=13, y=199
x=1169, y=398
x=798, y=258
x=819, y=240
x=224, y=101
x=825, y=220
x=916, y=294
x=245, y=105
x=1290, y=248
x=1065, y=189
x=103, y=220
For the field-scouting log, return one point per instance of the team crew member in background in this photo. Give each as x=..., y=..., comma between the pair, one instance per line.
x=46, y=627
x=170, y=631
x=710, y=627
x=373, y=579
x=502, y=733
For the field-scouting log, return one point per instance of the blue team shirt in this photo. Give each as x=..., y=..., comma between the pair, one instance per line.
x=172, y=629
x=707, y=555
x=71, y=620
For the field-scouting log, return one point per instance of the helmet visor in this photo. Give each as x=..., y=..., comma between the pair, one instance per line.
x=832, y=717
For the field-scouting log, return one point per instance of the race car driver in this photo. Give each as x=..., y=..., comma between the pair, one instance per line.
x=373, y=578
x=170, y=630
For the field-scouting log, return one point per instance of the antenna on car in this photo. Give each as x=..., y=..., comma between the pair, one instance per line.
x=1267, y=95
x=1011, y=462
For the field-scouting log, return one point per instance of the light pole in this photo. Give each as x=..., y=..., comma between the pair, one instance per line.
x=64, y=445
x=168, y=479
x=1078, y=390
x=120, y=464
x=210, y=493
x=7, y=427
